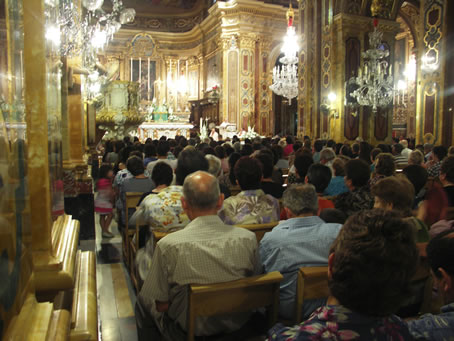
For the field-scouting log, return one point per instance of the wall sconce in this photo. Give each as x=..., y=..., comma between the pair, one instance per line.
x=327, y=106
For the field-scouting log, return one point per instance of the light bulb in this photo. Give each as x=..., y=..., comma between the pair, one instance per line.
x=99, y=39
x=332, y=97
x=53, y=35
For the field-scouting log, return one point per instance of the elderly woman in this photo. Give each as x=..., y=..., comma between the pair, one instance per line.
x=384, y=166
x=372, y=248
x=397, y=193
x=416, y=158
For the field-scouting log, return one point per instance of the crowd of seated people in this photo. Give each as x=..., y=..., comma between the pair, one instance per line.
x=394, y=196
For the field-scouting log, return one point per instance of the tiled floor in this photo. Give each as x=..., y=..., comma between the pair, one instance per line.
x=116, y=297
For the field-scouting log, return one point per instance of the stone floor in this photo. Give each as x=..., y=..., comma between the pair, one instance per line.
x=116, y=296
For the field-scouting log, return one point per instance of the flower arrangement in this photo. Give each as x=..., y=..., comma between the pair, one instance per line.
x=250, y=133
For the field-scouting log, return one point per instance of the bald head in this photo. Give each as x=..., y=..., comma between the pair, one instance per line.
x=201, y=191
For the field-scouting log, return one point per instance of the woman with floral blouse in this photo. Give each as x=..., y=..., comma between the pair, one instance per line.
x=369, y=270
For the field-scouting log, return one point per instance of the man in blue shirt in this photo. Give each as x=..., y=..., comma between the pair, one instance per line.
x=302, y=240
x=440, y=253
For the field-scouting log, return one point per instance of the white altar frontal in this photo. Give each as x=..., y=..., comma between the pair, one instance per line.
x=155, y=130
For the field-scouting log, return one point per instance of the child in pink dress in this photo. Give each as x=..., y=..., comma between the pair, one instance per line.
x=104, y=199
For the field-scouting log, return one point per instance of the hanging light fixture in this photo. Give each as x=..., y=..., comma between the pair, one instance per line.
x=285, y=77
x=374, y=85
x=77, y=35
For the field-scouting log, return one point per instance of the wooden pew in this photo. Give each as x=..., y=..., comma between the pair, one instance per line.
x=55, y=274
x=132, y=199
x=29, y=320
x=84, y=314
x=312, y=284
x=231, y=297
x=259, y=229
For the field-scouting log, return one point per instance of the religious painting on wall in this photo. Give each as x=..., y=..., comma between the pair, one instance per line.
x=213, y=69
x=143, y=71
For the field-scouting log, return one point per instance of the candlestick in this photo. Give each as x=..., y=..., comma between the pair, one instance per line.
x=148, y=88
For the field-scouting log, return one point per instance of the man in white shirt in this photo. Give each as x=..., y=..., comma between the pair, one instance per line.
x=207, y=251
x=406, y=151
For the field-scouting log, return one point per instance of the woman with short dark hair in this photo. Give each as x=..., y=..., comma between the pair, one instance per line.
x=370, y=267
x=251, y=205
x=384, y=166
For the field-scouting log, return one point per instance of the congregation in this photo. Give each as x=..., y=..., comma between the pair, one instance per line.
x=373, y=215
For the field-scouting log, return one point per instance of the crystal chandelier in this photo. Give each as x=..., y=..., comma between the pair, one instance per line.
x=285, y=77
x=77, y=35
x=374, y=85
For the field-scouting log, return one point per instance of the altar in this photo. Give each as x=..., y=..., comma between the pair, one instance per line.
x=155, y=130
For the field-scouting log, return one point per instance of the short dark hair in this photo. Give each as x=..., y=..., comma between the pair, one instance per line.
x=233, y=158
x=248, y=173
x=190, y=160
x=267, y=163
x=375, y=152
x=397, y=191
x=163, y=147
x=375, y=257
x=289, y=139
x=385, y=164
x=162, y=174
x=440, y=253
x=318, y=145
x=302, y=163
x=417, y=175
x=346, y=150
x=339, y=166
x=104, y=170
x=447, y=167
x=135, y=165
x=440, y=152
x=319, y=175
x=398, y=148
x=278, y=150
x=220, y=152
x=149, y=150
x=358, y=172
x=246, y=149
x=333, y=215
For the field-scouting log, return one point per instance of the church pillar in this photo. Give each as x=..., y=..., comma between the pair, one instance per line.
x=434, y=119
x=263, y=99
x=304, y=73
x=247, y=89
x=230, y=88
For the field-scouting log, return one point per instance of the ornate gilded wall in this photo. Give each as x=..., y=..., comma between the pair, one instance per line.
x=231, y=48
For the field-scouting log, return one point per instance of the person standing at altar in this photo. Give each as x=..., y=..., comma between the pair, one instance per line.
x=214, y=135
x=162, y=151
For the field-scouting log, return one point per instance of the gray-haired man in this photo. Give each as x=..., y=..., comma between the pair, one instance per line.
x=302, y=240
x=206, y=251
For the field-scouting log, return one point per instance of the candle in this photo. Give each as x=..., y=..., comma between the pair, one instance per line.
x=131, y=69
x=140, y=70
x=148, y=89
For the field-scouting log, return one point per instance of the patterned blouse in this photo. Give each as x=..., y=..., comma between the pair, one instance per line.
x=250, y=207
x=335, y=322
x=357, y=200
x=163, y=211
